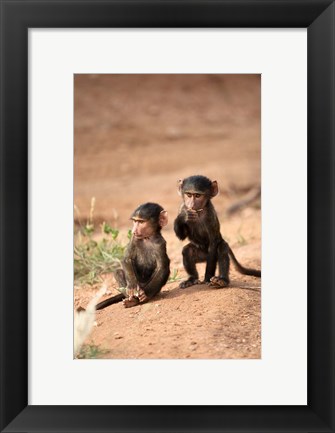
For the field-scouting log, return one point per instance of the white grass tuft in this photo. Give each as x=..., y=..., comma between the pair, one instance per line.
x=84, y=321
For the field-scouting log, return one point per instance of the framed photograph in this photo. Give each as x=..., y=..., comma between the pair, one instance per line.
x=60, y=63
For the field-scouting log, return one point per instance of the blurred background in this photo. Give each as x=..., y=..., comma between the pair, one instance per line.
x=136, y=135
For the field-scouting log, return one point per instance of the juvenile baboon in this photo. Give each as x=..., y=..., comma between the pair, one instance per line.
x=146, y=265
x=198, y=221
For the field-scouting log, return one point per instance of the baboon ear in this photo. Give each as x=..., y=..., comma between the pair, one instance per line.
x=163, y=218
x=180, y=183
x=214, y=188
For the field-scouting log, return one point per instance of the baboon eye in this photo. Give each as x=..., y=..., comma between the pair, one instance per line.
x=189, y=194
x=197, y=195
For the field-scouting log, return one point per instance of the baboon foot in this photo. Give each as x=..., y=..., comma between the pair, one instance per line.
x=130, y=302
x=188, y=283
x=218, y=282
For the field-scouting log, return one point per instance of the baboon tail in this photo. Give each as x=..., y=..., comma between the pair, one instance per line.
x=113, y=300
x=242, y=269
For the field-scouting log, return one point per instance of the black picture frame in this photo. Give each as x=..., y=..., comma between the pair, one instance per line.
x=16, y=18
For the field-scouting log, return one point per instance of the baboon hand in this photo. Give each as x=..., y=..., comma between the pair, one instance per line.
x=132, y=292
x=191, y=215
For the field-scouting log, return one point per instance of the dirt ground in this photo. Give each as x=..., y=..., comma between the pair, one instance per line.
x=135, y=136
